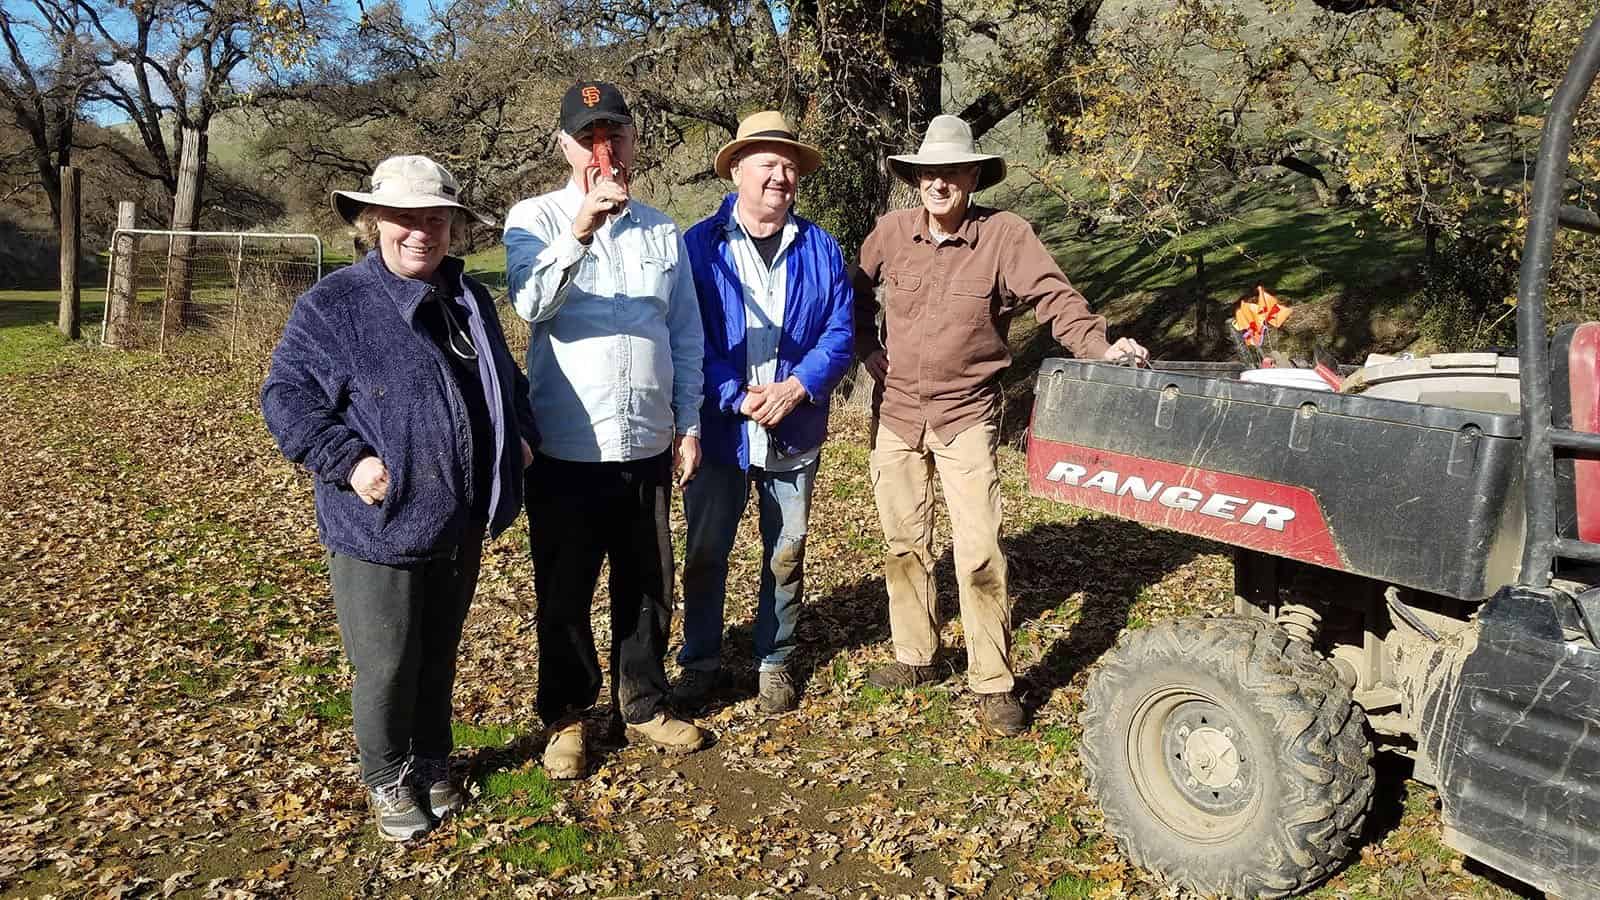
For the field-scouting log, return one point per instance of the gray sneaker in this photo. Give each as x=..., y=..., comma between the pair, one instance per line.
x=778, y=691
x=400, y=817
x=444, y=798
x=694, y=687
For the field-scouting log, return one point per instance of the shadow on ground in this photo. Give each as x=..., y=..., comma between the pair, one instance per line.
x=1104, y=563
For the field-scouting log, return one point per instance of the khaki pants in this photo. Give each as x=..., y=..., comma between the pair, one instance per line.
x=902, y=482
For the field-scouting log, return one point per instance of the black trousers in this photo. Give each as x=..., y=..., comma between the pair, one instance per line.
x=579, y=514
x=401, y=627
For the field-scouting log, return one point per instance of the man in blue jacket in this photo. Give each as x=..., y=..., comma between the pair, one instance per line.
x=775, y=303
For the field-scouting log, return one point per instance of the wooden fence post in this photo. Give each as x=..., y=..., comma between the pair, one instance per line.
x=185, y=212
x=124, y=277
x=71, y=246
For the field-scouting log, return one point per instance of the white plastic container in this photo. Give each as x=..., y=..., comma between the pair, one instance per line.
x=1304, y=379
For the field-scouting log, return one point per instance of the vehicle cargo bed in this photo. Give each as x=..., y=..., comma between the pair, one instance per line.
x=1417, y=495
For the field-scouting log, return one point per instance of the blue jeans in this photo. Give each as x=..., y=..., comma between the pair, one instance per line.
x=713, y=503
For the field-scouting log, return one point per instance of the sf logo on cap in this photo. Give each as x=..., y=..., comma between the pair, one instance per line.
x=591, y=95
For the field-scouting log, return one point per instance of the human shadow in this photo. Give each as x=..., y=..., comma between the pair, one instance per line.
x=1089, y=571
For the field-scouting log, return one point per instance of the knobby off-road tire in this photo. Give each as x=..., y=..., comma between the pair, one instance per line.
x=1227, y=758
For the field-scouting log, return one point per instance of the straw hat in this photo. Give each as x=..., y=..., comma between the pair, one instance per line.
x=766, y=127
x=949, y=142
x=405, y=182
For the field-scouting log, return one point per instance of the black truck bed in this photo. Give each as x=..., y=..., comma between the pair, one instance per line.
x=1416, y=495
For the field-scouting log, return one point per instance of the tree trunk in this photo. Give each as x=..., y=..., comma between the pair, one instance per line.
x=185, y=211
x=71, y=247
x=124, y=269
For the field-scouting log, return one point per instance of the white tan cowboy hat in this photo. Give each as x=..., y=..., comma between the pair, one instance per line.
x=405, y=182
x=766, y=127
x=949, y=143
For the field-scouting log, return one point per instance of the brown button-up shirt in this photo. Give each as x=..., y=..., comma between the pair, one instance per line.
x=947, y=309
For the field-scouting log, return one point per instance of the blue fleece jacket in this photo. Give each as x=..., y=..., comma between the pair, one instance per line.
x=356, y=374
x=816, y=346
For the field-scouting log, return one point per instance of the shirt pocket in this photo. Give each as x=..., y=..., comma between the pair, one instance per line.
x=903, y=283
x=653, y=278
x=972, y=300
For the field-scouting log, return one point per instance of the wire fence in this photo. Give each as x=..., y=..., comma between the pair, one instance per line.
x=218, y=294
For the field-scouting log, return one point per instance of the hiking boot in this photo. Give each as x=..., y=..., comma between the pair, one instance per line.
x=1002, y=714
x=669, y=734
x=778, y=691
x=695, y=686
x=395, y=808
x=433, y=775
x=564, y=754
x=898, y=675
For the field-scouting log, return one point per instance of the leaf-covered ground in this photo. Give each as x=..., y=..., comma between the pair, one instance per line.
x=174, y=716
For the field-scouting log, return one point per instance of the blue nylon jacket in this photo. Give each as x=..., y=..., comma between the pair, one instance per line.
x=355, y=375
x=817, y=344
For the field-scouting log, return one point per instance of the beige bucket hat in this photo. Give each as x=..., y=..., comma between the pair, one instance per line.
x=405, y=182
x=949, y=142
x=766, y=127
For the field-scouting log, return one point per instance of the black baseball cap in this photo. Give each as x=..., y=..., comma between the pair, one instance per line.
x=588, y=102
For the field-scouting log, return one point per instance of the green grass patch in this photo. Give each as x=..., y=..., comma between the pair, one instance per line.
x=996, y=780
x=191, y=683
x=29, y=341
x=525, y=793
x=308, y=669
x=334, y=710
x=469, y=735
x=1070, y=887
x=1064, y=740
x=554, y=848
x=934, y=705
x=870, y=696
x=839, y=671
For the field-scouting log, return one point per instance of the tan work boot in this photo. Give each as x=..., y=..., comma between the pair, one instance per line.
x=564, y=754
x=669, y=734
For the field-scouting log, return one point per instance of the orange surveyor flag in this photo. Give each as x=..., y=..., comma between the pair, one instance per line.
x=1254, y=318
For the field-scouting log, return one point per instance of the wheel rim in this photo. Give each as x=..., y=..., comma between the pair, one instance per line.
x=1192, y=766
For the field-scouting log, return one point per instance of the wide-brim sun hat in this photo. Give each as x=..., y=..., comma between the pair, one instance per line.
x=405, y=182
x=949, y=142
x=766, y=127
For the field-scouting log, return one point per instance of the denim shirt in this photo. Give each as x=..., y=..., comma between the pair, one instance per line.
x=614, y=360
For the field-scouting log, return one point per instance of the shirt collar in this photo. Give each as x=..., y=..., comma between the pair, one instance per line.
x=966, y=233
x=735, y=227
x=409, y=293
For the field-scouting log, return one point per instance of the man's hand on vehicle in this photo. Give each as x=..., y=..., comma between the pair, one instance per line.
x=1126, y=347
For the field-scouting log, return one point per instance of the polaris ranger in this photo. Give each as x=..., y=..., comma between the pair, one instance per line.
x=1414, y=569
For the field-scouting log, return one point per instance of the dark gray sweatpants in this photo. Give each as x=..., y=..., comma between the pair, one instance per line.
x=401, y=627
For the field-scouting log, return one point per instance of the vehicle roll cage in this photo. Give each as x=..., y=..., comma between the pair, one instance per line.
x=1542, y=441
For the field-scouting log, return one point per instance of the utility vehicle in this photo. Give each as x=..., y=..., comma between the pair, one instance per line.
x=1415, y=572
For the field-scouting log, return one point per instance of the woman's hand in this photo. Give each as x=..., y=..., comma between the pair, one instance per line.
x=527, y=454
x=370, y=480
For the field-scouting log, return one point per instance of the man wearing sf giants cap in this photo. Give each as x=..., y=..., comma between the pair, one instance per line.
x=614, y=363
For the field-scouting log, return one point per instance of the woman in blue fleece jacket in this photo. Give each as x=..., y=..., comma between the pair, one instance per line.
x=393, y=384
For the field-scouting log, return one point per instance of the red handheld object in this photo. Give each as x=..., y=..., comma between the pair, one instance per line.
x=601, y=166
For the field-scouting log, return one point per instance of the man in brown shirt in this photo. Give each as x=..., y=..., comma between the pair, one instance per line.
x=954, y=274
